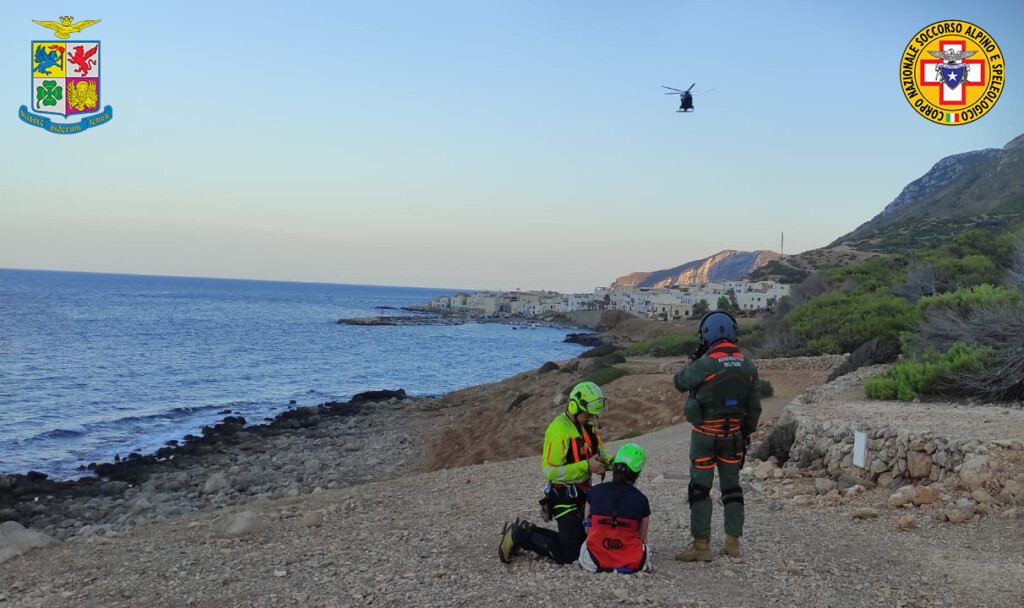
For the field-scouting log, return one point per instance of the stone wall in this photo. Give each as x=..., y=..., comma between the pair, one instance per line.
x=895, y=454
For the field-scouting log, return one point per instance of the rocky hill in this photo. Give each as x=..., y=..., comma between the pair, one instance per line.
x=979, y=189
x=728, y=265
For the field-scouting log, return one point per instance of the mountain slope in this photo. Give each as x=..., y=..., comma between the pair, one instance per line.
x=979, y=189
x=728, y=265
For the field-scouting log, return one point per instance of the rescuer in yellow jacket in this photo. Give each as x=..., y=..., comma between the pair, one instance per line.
x=573, y=452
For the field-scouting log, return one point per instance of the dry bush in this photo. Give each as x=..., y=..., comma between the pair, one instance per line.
x=998, y=327
x=1015, y=277
x=924, y=279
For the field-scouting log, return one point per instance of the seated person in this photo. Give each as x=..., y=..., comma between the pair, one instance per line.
x=616, y=518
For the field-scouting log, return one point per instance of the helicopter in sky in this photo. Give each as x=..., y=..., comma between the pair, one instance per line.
x=685, y=97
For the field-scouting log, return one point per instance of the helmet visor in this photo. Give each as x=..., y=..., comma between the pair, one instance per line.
x=595, y=407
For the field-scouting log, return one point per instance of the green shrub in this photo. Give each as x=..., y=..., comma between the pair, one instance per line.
x=767, y=390
x=824, y=346
x=968, y=299
x=840, y=322
x=611, y=359
x=599, y=351
x=934, y=374
x=604, y=375
x=876, y=274
x=783, y=272
x=673, y=345
x=984, y=243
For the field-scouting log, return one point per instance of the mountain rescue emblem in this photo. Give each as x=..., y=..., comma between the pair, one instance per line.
x=952, y=72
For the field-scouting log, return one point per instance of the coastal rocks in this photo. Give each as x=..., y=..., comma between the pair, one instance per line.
x=599, y=351
x=549, y=366
x=15, y=540
x=376, y=396
x=268, y=461
x=588, y=339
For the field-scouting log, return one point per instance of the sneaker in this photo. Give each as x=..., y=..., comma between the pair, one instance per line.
x=507, y=548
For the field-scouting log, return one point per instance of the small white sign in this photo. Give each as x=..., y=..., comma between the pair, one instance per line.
x=860, y=448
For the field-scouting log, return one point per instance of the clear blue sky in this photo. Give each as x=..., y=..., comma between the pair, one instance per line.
x=475, y=144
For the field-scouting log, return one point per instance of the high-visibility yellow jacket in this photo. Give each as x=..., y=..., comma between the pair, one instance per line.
x=567, y=446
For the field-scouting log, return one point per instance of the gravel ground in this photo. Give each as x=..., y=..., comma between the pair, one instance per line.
x=431, y=540
x=843, y=399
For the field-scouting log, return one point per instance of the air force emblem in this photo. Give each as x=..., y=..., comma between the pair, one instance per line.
x=66, y=81
x=963, y=79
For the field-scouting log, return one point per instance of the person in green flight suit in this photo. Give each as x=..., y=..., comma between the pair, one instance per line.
x=573, y=452
x=723, y=407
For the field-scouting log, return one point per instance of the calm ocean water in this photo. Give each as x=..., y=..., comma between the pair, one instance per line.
x=93, y=365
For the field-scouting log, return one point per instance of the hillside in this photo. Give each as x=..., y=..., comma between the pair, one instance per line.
x=979, y=189
x=728, y=265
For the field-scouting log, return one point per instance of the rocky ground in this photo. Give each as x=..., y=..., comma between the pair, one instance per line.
x=306, y=451
x=340, y=513
x=430, y=540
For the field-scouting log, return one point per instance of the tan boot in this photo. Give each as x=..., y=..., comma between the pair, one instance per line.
x=700, y=551
x=732, y=546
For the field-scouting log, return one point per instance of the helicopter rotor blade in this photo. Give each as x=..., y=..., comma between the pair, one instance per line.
x=691, y=86
x=671, y=89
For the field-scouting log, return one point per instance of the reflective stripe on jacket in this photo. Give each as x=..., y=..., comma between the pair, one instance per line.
x=567, y=449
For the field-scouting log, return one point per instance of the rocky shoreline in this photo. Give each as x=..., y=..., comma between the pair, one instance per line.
x=303, y=450
x=376, y=435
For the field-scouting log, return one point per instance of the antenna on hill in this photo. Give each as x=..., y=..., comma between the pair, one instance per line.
x=782, y=242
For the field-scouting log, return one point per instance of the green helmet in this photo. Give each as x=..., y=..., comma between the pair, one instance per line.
x=586, y=396
x=631, y=455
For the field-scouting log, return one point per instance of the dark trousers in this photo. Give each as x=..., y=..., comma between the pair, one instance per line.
x=562, y=546
x=705, y=454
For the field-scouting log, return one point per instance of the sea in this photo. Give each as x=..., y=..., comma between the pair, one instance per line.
x=98, y=365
